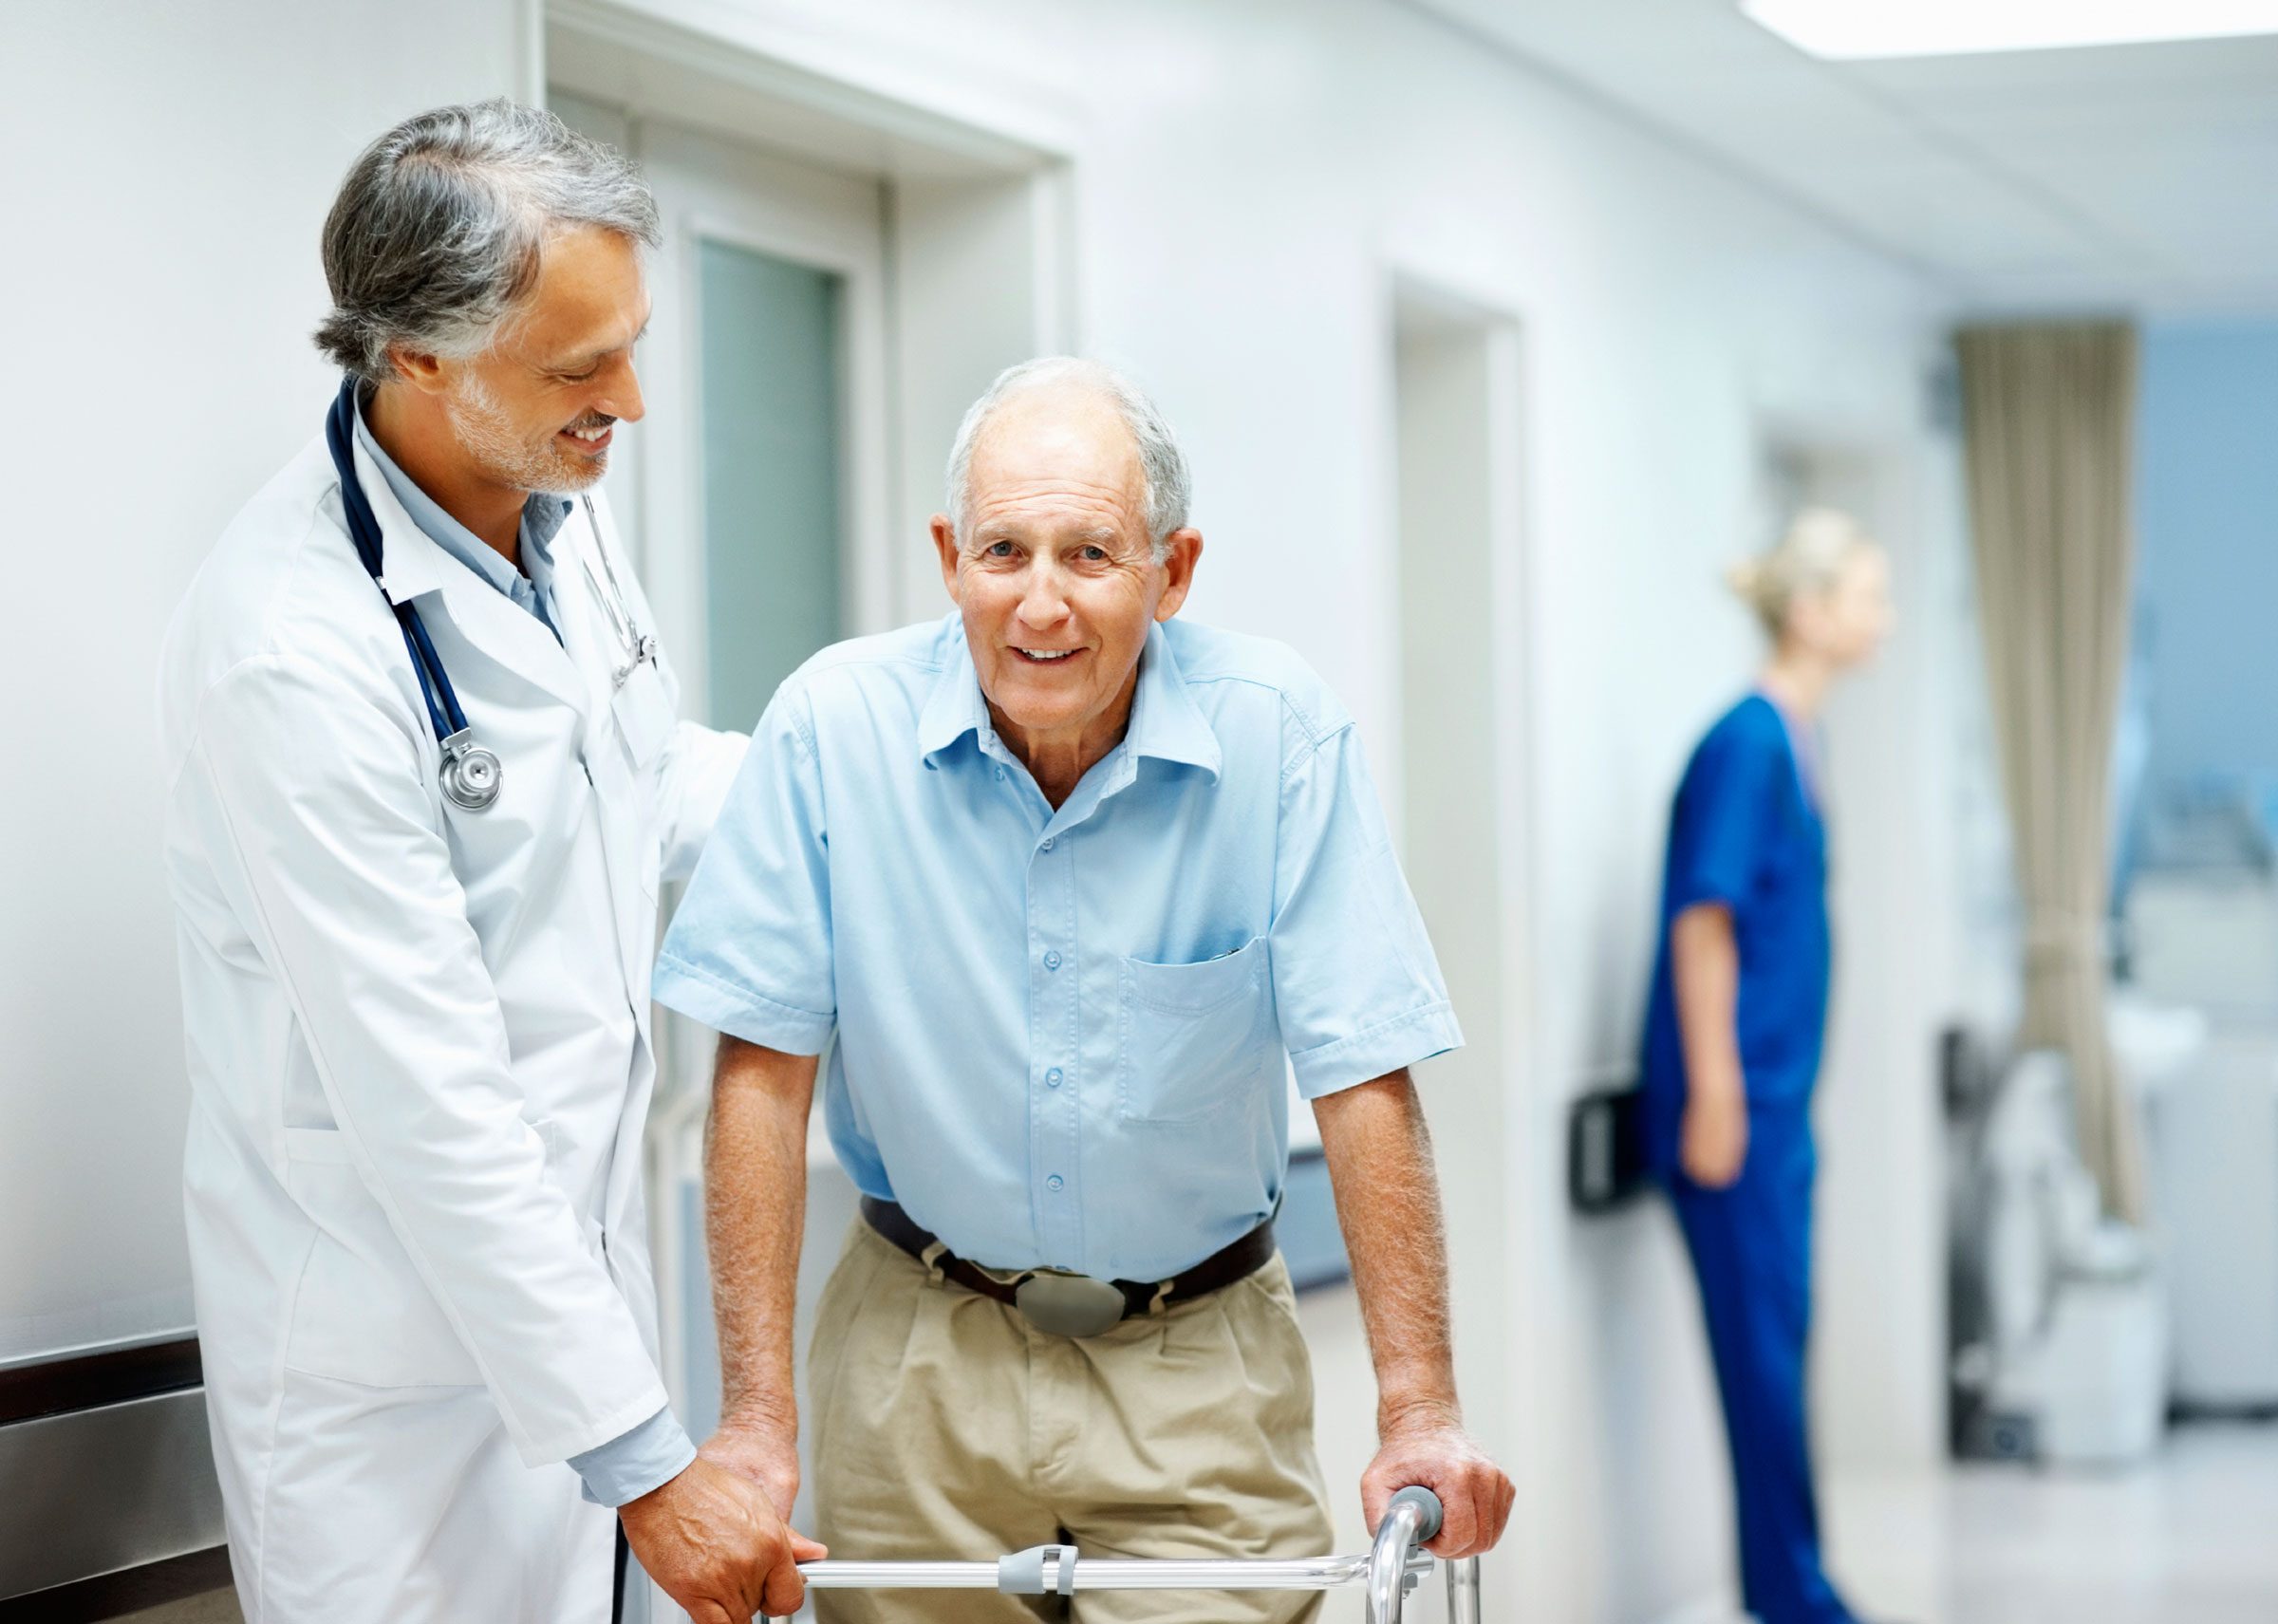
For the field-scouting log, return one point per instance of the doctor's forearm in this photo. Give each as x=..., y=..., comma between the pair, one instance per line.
x=755, y=1215
x=1388, y=1204
x=1704, y=966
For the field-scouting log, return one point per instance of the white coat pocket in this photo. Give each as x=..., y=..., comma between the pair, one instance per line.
x=360, y=1313
x=1193, y=1040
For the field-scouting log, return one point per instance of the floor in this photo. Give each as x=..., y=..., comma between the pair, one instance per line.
x=2189, y=1539
x=217, y=1607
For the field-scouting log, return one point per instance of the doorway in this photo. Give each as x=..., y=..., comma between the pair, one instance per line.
x=1463, y=739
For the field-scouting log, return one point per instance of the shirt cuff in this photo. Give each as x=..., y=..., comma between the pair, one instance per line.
x=738, y=1011
x=1378, y=1051
x=631, y=1463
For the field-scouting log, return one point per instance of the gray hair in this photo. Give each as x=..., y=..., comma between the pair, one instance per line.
x=434, y=240
x=1806, y=562
x=1165, y=489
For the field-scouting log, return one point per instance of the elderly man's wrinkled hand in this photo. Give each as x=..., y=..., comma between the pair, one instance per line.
x=762, y=1449
x=1434, y=1451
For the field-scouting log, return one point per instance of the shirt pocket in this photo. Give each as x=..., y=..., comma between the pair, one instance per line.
x=1192, y=1039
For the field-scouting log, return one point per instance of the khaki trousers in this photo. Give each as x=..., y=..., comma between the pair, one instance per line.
x=946, y=1426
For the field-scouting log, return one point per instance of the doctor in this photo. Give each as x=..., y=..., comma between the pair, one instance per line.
x=425, y=781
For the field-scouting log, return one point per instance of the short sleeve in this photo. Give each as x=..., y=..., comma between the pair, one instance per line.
x=749, y=952
x=1356, y=985
x=1718, y=828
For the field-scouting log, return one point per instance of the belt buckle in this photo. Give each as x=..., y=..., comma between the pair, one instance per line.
x=1068, y=1304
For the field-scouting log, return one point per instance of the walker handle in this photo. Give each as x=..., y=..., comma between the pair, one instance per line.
x=1426, y=1502
x=1412, y=1517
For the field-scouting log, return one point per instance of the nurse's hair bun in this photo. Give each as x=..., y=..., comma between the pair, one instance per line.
x=1805, y=562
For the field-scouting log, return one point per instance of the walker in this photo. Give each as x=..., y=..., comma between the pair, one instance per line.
x=1389, y=1570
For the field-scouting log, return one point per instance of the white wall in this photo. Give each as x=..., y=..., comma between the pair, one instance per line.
x=1245, y=181
x=168, y=169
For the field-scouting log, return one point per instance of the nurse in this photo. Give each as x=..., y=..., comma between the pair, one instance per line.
x=1733, y=1034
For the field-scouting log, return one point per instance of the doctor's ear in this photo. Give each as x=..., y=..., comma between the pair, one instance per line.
x=426, y=373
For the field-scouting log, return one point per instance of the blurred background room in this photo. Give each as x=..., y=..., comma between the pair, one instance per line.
x=1495, y=330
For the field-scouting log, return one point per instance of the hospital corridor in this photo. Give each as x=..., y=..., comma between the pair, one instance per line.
x=1226, y=810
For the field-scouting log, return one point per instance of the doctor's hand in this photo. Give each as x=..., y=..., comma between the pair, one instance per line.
x=717, y=1545
x=1427, y=1447
x=761, y=1448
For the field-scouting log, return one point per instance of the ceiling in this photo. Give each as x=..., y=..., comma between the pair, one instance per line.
x=2138, y=176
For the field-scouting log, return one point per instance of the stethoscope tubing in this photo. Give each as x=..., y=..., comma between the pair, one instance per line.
x=471, y=775
x=443, y=711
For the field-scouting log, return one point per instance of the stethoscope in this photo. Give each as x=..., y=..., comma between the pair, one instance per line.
x=471, y=775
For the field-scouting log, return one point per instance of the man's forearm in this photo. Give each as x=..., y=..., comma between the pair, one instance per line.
x=1388, y=1203
x=1705, y=970
x=755, y=1217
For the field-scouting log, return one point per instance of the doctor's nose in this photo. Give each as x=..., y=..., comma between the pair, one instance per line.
x=623, y=402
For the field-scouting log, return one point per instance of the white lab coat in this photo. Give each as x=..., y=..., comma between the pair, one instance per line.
x=419, y=1058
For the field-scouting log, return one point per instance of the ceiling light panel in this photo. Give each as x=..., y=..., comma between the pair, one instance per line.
x=1852, y=29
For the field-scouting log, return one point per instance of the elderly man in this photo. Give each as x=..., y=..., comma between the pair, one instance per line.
x=1064, y=887
x=424, y=778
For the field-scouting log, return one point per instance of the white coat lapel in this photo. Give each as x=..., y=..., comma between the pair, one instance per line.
x=502, y=631
x=618, y=765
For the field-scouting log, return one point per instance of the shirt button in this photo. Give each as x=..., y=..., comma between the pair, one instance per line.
x=1052, y=1078
x=1052, y=960
x=1000, y=773
x=1048, y=839
x=1055, y=1182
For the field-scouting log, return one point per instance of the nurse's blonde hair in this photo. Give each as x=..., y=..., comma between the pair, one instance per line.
x=1805, y=562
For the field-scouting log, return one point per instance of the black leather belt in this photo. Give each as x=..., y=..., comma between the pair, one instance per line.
x=1075, y=1305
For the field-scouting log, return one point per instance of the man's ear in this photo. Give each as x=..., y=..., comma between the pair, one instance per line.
x=425, y=373
x=944, y=543
x=1178, y=569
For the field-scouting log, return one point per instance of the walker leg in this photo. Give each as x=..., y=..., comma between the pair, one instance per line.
x=1462, y=1592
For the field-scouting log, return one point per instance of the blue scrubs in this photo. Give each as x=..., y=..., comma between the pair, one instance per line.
x=1745, y=831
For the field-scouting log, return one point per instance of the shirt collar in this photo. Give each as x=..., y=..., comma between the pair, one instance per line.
x=542, y=518
x=1165, y=722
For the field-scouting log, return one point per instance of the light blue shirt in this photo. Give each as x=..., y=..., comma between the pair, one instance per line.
x=532, y=587
x=631, y=1463
x=1063, y=1038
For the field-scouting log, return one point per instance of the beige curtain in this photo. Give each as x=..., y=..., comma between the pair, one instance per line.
x=2049, y=416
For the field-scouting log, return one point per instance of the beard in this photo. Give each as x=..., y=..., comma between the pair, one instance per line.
x=488, y=437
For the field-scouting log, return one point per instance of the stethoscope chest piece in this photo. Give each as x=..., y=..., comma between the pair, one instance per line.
x=471, y=775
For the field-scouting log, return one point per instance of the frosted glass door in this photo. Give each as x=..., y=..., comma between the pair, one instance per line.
x=771, y=346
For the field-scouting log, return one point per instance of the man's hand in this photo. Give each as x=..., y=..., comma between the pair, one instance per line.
x=1714, y=1140
x=762, y=1450
x=1388, y=1203
x=711, y=1539
x=1430, y=1448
